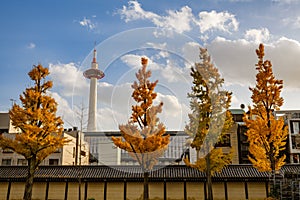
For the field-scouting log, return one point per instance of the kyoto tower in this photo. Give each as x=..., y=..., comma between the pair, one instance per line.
x=93, y=74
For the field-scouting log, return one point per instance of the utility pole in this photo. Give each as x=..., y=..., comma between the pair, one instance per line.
x=79, y=137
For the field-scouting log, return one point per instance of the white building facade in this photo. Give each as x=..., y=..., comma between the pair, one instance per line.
x=104, y=150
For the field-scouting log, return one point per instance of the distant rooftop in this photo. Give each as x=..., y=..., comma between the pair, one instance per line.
x=237, y=111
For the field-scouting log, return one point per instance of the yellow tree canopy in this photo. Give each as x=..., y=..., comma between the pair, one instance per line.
x=210, y=119
x=41, y=130
x=217, y=162
x=144, y=137
x=266, y=134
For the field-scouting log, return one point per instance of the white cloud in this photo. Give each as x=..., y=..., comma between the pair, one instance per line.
x=175, y=20
x=109, y=119
x=69, y=79
x=191, y=52
x=174, y=112
x=181, y=20
x=284, y=55
x=286, y=1
x=173, y=73
x=170, y=72
x=31, y=45
x=162, y=47
x=117, y=97
x=85, y=22
x=134, y=11
x=134, y=61
x=293, y=22
x=65, y=111
x=131, y=60
x=236, y=60
x=258, y=35
x=222, y=21
x=296, y=23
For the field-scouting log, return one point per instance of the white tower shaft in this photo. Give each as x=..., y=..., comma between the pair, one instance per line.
x=92, y=118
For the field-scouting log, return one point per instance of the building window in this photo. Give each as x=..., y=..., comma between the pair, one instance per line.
x=3, y=130
x=296, y=115
x=7, y=151
x=53, y=161
x=57, y=150
x=295, y=158
x=225, y=141
x=22, y=162
x=295, y=127
x=295, y=142
x=238, y=118
x=6, y=162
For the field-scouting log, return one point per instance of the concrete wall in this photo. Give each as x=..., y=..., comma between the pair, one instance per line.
x=115, y=190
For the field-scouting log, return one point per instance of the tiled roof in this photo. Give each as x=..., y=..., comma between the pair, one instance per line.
x=237, y=111
x=134, y=173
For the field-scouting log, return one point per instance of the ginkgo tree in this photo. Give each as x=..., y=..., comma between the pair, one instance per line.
x=144, y=137
x=210, y=119
x=41, y=131
x=266, y=134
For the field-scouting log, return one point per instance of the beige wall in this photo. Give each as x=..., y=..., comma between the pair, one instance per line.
x=39, y=190
x=236, y=190
x=16, y=190
x=256, y=190
x=219, y=191
x=135, y=190
x=3, y=189
x=115, y=191
x=156, y=190
x=175, y=190
x=195, y=190
x=95, y=190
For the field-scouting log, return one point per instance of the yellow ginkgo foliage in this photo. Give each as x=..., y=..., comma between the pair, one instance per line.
x=144, y=137
x=210, y=119
x=266, y=134
x=41, y=130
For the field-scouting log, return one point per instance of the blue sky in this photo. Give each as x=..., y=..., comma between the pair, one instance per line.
x=61, y=35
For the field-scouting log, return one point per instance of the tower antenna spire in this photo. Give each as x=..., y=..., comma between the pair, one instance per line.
x=95, y=54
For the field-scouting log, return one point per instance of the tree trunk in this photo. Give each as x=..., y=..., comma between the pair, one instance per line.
x=146, y=185
x=208, y=177
x=273, y=189
x=198, y=153
x=272, y=186
x=29, y=178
